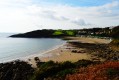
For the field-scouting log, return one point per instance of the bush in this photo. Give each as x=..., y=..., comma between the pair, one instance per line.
x=83, y=63
x=65, y=72
x=67, y=64
x=17, y=70
x=112, y=72
x=48, y=64
x=115, y=42
x=52, y=70
x=37, y=59
x=104, y=71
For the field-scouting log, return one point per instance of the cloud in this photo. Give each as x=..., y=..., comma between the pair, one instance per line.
x=106, y=10
x=14, y=3
x=111, y=5
x=45, y=12
x=23, y=15
x=53, y=16
x=81, y=22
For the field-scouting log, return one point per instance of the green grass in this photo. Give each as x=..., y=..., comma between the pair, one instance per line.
x=64, y=32
x=58, y=32
x=70, y=33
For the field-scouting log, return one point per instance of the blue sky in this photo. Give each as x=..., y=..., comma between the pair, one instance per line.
x=74, y=2
x=28, y=15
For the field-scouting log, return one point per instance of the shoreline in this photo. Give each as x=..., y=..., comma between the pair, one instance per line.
x=44, y=52
x=63, y=52
x=40, y=54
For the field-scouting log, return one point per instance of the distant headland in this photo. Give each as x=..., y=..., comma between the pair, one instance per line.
x=50, y=33
x=47, y=33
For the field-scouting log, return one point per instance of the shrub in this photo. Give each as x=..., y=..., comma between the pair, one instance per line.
x=67, y=64
x=115, y=42
x=54, y=71
x=65, y=72
x=36, y=59
x=112, y=72
x=83, y=63
x=17, y=70
x=97, y=72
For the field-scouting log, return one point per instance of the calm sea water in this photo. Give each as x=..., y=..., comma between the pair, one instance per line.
x=16, y=48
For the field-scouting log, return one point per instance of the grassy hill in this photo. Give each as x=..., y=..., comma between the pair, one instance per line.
x=46, y=34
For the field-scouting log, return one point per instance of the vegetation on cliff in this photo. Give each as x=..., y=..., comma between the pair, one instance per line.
x=47, y=34
x=16, y=70
x=80, y=70
x=58, y=71
x=105, y=71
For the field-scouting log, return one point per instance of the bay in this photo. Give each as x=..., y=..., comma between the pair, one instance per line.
x=16, y=48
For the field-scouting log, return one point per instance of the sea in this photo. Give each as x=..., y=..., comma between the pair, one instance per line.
x=18, y=48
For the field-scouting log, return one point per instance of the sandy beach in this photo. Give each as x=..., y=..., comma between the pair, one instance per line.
x=90, y=40
x=65, y=52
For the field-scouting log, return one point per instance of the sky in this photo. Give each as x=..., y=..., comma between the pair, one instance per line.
x=28, y=15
